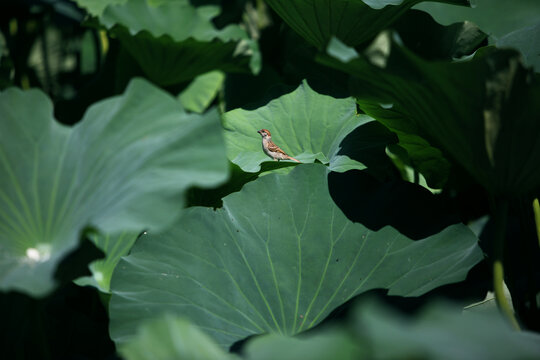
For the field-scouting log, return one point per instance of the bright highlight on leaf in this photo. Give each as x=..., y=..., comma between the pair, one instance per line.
x=278, y=257
x=123, y=167
x=42, y=253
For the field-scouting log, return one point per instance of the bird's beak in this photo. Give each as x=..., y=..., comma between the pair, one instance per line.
x=259, y=131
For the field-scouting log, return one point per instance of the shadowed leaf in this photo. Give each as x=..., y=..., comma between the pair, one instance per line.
x=483, y=112
x=174, y=41
x=353, y=21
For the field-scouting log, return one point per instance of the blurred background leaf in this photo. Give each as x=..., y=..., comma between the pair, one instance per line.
x=174, y=41
x=124, y=167
x=170, y=337
x=198, y=95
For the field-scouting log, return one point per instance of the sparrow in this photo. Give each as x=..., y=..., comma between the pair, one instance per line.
x=272, y=149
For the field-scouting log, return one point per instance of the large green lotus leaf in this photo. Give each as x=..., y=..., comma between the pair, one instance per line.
x=174, y=42
x=122, y=168
x=495, y=17
x=307, y=125
x=433, y=41
x=114, y=246
x=442, y=331
x=484, y=112
x=352, y=21
x=423, y=157
x=512, y=23
x=278, y=257
x=170, y=337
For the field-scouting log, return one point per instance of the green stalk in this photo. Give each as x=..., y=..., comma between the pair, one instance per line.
x=416, y=177
x=536, y=209
x=500, y=218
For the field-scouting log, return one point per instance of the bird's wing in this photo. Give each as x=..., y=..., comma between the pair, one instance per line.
x=274, y=148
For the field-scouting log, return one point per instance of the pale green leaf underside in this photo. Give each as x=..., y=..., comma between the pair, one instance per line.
x=114, y=246
x=122, y=168
x=305, y=124
x=201, y=91
x=278, y=257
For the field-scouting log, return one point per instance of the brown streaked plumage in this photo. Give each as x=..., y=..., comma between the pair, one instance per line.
x=272, y=149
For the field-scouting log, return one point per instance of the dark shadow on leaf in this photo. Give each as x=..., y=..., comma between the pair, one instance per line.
x=411, y=209
x=367, y=144
x=197, y=196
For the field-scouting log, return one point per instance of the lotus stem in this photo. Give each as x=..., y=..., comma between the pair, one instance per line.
x=536, y=209
x=500, y=217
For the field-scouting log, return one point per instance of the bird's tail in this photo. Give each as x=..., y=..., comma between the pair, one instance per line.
x=293, y=159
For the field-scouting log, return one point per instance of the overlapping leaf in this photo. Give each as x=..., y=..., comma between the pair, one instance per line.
x=483, y=112
x=527, y=41
x=441, y=331
x=352, y=21
x=114, y=246
x=431, y=41
x=96, y=7
x=495, y=17
x=278, y=257
x=425, y=158
x=306, y=125
x=170, y=337
x=122, y=168
x=173, y=41
x=511, y=24
x=201, y=91
x=326, y=345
